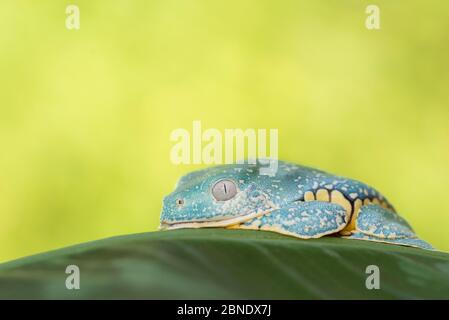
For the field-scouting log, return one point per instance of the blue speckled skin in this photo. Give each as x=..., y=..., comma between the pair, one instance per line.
x=297, y=201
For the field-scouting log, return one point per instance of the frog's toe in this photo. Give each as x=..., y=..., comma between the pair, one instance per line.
x=410, y=242
x=304, y=220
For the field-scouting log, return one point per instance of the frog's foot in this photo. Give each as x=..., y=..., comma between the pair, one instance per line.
x=410, y=242
x=375, y=223
x=304, y=220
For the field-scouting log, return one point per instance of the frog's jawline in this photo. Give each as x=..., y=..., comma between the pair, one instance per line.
x=211, y=224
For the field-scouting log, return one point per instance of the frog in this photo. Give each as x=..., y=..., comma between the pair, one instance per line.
x=298, y=201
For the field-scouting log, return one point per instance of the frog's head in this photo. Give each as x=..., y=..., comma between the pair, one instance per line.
x=215, y=197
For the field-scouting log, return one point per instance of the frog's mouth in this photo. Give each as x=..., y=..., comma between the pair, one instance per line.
x=222, y=222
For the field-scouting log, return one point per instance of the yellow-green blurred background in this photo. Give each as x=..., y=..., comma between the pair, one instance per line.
x=85, y=116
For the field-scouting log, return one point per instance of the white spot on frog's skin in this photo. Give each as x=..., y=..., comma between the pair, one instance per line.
x=329, y=186
x=353, y=195
x=315, y=185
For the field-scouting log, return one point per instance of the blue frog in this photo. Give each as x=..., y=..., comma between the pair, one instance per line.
x=297, y=201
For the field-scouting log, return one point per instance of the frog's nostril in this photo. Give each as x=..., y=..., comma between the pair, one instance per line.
x=179, y=202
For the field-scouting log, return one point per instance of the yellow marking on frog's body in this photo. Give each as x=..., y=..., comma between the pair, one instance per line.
x=366, y=201
x=387, y=206
x=322, y=195
x=351, y=226
x=345, y=232
x=375, y=201
x=338, y=198
x=309, y=196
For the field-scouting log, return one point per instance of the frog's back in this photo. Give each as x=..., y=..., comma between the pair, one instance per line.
x=313, y=184
x=293, y=182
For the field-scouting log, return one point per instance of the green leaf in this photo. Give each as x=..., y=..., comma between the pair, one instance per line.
x=222, y=264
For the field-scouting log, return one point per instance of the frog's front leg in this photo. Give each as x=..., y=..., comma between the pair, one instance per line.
x=375, y=223
x=301, y=219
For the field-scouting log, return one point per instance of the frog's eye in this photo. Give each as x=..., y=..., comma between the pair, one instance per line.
x=179, y=202
x=224, y=190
